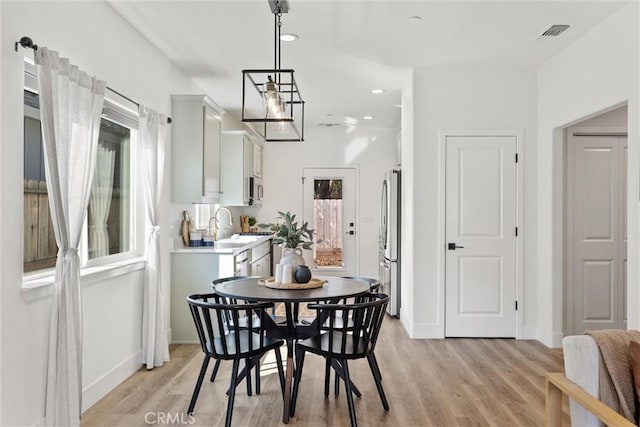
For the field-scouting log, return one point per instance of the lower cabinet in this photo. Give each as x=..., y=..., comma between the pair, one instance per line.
x=192, y=273
x=262, y=267
x=261, y=259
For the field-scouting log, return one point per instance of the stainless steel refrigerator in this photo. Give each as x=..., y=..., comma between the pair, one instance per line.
x=390, y=240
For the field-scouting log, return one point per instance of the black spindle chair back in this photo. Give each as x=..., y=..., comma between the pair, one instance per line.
x=222, y=337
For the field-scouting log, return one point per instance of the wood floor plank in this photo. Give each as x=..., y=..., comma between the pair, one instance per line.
x=450, y=382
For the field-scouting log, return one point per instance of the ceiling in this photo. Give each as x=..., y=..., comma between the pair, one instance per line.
x=346, y=48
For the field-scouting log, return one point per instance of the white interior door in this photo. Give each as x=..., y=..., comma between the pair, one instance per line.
x=480, y=261
x=598, y=232
x=329, y=205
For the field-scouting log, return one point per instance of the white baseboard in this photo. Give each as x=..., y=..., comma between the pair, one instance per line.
x=103, y=385
x=427, y=330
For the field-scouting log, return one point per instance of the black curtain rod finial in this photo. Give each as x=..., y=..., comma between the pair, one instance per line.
x=26, y=42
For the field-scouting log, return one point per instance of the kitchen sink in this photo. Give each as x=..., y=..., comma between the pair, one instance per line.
x=241, y=238
x=229, y=244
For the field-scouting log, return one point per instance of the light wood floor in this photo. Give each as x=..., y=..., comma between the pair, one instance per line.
x=451, y=382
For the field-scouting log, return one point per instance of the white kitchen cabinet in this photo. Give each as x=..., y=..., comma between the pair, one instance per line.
x=261, y=267
x=195, y=140
x=261, y=259
x=241, y=160
x=192, y=273
x=256, y=162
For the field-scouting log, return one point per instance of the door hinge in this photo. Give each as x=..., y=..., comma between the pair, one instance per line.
x=516, y=157
x=516, y=231
x=303, y=178
x=516, y=305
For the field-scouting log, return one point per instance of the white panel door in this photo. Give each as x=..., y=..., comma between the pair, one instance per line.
x=329, y=206
x=598, y=226
x=480, y=285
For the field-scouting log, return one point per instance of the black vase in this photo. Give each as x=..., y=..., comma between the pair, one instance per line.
x=302, y=274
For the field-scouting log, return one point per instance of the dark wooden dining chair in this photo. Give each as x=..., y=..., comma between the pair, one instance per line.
x=242, y=323
x=374, y=286
x=224, y=340
x=346, y=341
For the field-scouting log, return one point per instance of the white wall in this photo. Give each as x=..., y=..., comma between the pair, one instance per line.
x=407, y=279
x=2, y=37
x=618, y=118
x=372, y=150
x=112, y=50
x=464, y=98
x=596, y=73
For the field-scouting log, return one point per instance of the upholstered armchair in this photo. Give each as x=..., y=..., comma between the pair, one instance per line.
x=581, y=383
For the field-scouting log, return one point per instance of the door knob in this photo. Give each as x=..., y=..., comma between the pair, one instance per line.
x=453, y=246
x=350, y=232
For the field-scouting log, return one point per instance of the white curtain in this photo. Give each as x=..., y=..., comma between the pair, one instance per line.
x=100, y=201
x=70, y=108
x=153, y=134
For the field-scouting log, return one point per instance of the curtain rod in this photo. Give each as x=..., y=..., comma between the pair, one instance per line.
x=27, y=43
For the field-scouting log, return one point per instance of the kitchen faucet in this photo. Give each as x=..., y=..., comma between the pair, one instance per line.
x=216, y=221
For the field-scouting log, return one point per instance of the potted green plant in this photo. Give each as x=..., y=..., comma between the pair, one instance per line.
x=292, y=236
x=252, y=223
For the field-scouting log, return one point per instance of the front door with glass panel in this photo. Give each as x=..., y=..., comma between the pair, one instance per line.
x=329, y=199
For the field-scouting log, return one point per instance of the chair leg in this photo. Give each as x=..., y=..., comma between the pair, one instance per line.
x=340, y=375
x=327, y=376
x=347, y=385
x=232, y=392
x=215, y=370
x=247, y=367
x=296, y=383
x=337, y=384
x=257, y=374
x=375, y=361
x=196, y=390
x=375, y=370
x=280, y=370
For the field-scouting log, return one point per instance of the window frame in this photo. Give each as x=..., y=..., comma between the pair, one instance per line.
x=123, y=112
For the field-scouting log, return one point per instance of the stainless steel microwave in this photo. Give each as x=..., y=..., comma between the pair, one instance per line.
x=255, y=191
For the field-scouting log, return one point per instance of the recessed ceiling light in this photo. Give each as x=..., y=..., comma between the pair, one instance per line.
x=368, y=117
x=377, y=91
x=415, y=18
x=288, y=37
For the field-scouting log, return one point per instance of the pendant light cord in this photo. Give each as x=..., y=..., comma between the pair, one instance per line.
x=279, y=47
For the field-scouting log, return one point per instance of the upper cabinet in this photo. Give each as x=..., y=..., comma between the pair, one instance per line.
x=256, y=162
x=195, y=140
x=241, y=154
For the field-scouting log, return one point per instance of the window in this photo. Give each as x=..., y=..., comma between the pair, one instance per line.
x=327, y=223
x=108, y=227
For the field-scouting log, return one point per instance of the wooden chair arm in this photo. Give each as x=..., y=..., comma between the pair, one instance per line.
x=557, y=384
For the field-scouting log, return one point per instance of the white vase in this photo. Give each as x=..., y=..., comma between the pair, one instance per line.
x=292, y=257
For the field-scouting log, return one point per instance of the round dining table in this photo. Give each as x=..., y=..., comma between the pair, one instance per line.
x=250, y=289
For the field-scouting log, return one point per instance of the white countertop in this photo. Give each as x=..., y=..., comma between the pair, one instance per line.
x=231, y=246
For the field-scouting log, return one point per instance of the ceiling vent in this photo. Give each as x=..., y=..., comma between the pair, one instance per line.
x=329, y=125
x=554, y=30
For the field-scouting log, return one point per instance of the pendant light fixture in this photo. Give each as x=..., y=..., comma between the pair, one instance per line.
x=276, y=107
